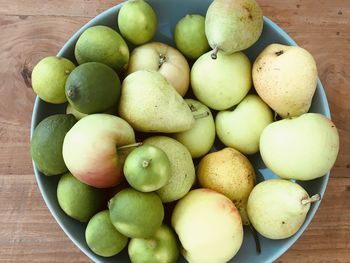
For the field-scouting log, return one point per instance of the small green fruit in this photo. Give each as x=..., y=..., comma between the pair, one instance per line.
x=160, y=248
x=136, y=214
x=49, y=78
x=147, y=168
x=190, y=36
x=102, y=44
x=47, y=143
x=102, y=237
x=144, y=21
x=78, y=200
x=93, y=88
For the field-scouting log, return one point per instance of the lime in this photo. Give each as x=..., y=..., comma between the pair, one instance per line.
x=102, y=237
x=93, y=88
x=49, y=78
x=47, y=142
x=144, y=21
x=78, y=200
x=160, y=248
x=190, y=36
x=147, y=168
x=102, y=44
x=136, y=214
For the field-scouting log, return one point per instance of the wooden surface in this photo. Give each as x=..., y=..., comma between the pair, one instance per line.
x=32, y=29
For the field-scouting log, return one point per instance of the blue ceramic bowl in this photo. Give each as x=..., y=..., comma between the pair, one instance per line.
x=169, y=12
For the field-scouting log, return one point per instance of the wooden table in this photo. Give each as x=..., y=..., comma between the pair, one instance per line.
x=33, y=29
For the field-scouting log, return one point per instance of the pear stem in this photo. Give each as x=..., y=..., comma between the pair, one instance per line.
x=256, y=239
x=201, y=115
x=129, y=146
x=311, y=199
x=146, y=163
x=214, y=55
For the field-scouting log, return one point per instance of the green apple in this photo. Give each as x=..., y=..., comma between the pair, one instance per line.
x=144, y=21
x=301, y=148
x=165, y=59
x=223, y=82
x=160, y=248
x=190, y=36
x=90, y=149
x=200, y=138
x=241, y=128
x=208, y=225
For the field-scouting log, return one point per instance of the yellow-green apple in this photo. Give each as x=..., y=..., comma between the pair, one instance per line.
x=200, y=137
x=285, y=77
x=223, y=82
x=301, y=148
x=208, y=225
x=90, y=149
x=165, y=59
x=241, y=128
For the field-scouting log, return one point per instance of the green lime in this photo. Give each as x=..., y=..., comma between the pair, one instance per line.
x=136, y=214
x=147, y=168
x=78, y=200
x=47, y=142
x=144, y=21
x=190, y=36
x=160, y=248
x=93, y=88
x=102, y=237
x=102, y=44
x=49, y=78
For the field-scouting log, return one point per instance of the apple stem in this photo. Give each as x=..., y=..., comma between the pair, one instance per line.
x=214, y=55
x=129, y=146
x=201, y=115
x=146, y=163
x=311, y=199
x=162, y=60
x=70, y=93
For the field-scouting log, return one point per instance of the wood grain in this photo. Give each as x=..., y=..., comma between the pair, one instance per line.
x=32, y=29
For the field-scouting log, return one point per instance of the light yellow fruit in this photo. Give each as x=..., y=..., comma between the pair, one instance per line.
x=208, y=225
x=285, y=77
x=228, y=172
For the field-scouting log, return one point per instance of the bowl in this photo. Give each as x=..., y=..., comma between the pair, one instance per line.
x=169, y=12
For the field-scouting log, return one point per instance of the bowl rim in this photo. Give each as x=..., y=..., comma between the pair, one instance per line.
x=280, y=250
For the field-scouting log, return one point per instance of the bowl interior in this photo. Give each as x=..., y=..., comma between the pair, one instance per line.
x=169, y=12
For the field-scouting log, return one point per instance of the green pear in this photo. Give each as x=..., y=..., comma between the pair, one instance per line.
x=200, y=138
x=301, y=148
x=221, y=83
x=241, y=128
x=233, y=25
x=285, y=77
x=182, y=168
x=150, y=104
x=190, y=36
x=277, y=208
x=144, y=21
x=208, y=225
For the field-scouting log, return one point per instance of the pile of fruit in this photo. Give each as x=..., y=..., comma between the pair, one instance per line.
x=134, y=129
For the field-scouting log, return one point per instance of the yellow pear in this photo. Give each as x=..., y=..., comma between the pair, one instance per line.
x=228, y=172
x=285, y=77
